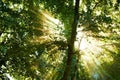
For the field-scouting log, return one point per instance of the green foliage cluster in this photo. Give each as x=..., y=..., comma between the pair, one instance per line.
x=25, y=52
x=30, y=47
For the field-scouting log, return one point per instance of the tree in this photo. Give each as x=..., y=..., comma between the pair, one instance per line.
x=18, y=26
x=33, y=46
x=24, y=29
x=71, y=51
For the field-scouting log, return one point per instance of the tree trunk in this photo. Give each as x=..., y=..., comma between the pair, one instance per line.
x=71, y=42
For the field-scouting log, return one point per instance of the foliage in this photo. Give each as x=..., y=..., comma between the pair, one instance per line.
x=23, y=32
x=33, y=46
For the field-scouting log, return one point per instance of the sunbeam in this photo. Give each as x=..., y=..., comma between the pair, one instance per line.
x=92, y=56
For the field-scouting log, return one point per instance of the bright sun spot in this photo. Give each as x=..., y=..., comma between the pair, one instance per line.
x=8, y=75
x=92, y=50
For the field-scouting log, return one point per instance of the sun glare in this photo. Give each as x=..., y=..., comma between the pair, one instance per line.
x=10, y=78
x=92, y=50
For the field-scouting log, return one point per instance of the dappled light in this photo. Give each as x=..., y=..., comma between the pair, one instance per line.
x=59, y=40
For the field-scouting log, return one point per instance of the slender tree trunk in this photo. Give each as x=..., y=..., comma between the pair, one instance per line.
x=71, y=42
x=78, y=57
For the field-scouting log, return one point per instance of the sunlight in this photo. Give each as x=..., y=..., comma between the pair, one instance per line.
x=51, y=30
x=8, y=75
x=92, y=49
x=50, y=18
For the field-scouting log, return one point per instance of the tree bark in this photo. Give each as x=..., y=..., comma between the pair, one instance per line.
x=71, y=42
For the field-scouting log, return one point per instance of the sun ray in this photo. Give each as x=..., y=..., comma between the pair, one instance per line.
x=92, y=49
